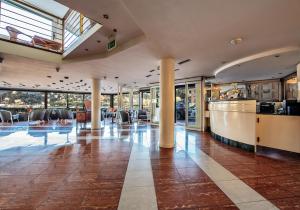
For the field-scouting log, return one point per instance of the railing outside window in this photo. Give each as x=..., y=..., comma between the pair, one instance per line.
x=75, y=25
x=26, y=25
x=23, y=24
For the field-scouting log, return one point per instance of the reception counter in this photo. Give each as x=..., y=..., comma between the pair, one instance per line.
x=236, y=123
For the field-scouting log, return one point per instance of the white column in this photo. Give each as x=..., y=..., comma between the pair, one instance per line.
x=96, y=93
x=167, y=100
x=298, y=77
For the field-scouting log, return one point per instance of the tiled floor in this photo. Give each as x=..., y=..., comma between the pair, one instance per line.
x=122, y=167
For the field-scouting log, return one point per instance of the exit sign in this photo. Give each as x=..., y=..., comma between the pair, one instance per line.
x=111, y=45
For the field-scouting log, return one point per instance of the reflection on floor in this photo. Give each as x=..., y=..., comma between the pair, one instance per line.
x=71, y=167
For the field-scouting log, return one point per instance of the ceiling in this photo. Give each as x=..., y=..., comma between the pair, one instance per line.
x=199, y=30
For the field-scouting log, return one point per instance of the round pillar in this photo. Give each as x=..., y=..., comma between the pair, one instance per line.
x=96, y=93
x=167, y=99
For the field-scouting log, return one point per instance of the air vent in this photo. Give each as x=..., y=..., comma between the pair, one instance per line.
x=184, y=61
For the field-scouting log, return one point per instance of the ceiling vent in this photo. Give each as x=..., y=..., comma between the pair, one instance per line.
x=184, y=61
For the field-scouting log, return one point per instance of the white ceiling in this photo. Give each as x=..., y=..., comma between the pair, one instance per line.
x=196, y=29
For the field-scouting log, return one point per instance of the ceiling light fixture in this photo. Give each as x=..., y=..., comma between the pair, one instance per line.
x=236, y=41
x=184, y=61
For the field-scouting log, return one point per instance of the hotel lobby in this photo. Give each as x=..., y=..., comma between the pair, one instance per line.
x=137, y=104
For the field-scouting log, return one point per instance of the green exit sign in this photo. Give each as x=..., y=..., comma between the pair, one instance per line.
x=111, y=45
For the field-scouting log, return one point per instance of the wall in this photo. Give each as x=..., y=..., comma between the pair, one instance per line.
x=234, y=120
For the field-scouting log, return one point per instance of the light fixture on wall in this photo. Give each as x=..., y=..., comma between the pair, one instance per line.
x=236, y=41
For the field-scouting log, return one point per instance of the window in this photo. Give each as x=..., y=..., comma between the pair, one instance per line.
x=21, y=99
x=87, y=97
x=57, y=100
x=115, y=98
x=136, y=97
x=29, y=26
x=105, y=101
x=126, y=101
x=291, y=88
x=75, y=101
x=146, y=100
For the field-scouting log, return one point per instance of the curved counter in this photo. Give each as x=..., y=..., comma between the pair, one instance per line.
x=234, y=120
x=236, y=123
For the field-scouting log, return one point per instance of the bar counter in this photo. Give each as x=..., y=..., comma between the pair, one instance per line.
x=237, y=123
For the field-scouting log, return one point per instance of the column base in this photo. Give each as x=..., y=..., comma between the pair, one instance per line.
x=167, y=146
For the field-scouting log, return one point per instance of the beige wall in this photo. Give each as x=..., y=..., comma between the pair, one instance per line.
x=234, y=120
x=280, y=132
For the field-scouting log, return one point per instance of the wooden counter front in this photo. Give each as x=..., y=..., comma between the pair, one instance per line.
x=279, y=132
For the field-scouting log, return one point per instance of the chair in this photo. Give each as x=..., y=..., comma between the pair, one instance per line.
x=142, y=115
x=124, y=117
x=66, y=115
x=46, y=43
x=6, y=116
x=13, y=34
x=36, y=116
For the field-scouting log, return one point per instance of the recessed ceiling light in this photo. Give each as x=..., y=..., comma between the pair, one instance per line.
x=61, y=80
x=81, y=80
x=236, y=41
x=66, y=77
x=53, y=83
x=49, y=76
x=98, y=41
x=277, y=56
x=105, y=16
x=184, y=61
x=116, y=77
x=115, y=30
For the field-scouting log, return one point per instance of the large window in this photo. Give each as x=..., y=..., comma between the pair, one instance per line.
x=57, y=100
x=21, y=99
x=105, y=101
x=115, y=98
x=126, y=101
x=146, y=100
x=24, y=24
x=136, y=98
x=75, y=101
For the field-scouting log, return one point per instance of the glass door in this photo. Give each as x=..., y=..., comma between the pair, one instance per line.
x=155, y=105
x=180, y=105
x=193, y=94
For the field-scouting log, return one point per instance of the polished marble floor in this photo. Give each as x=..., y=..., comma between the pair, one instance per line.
x=68, y=166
